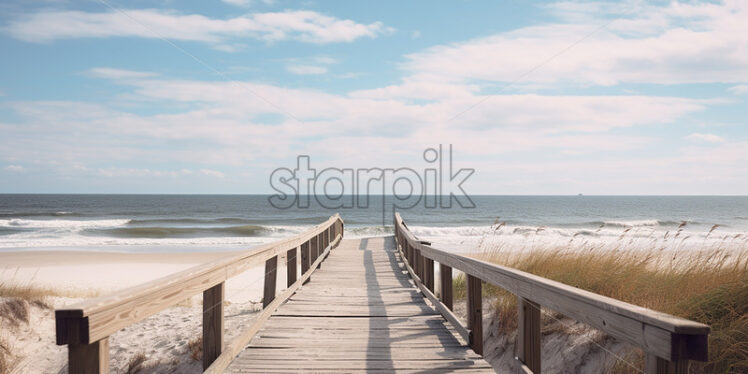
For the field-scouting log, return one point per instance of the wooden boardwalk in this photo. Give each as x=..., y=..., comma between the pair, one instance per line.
x=359, y=312
x=362, y=311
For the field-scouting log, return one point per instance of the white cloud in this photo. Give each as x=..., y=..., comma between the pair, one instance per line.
x=111, y=73
x=212, y=173
x=306, y=69
x=115, y=172
x=218, y=127
x=245, y=3
x=709, y=138
x=310, y=66
x=306, y=26
x=241, y=3
x=14, y=168
x=740, y=89
x=675, y=43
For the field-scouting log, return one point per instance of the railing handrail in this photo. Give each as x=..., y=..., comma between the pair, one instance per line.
x=233, y=266
x=669, y=337
x=93, y=321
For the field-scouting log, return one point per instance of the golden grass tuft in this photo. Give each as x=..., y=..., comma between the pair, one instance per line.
x=135, y=364
x=196, y=348
x=6, y=363
x=710, y=287
x=38, y=294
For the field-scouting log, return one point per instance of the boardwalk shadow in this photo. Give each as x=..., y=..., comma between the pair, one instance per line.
x=374, y=297
x=383, y=356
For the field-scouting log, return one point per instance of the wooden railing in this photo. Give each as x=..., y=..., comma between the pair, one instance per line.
x=668, y=341
x=86, y=327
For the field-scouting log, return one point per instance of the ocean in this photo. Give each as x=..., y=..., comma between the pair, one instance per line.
x=181, y=223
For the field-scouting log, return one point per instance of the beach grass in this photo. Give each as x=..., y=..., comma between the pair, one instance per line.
x=710, y=287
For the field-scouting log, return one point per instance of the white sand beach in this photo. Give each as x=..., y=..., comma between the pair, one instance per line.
x=164, y=339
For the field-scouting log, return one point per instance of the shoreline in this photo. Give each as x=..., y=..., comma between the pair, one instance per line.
x=83, y=273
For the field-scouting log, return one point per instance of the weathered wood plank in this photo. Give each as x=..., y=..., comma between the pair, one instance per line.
x=291, y=266
x=445, y=273
x=271, y=277
x=657, y=365
x=89, y=358
x=528, y=334
x=475, y=313
x=213, y=323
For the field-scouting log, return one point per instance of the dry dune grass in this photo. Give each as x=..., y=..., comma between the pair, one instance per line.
x=16, y=300
x=6, y=364
x=708, y=286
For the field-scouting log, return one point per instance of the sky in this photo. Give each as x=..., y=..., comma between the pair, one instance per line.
x=538, y=97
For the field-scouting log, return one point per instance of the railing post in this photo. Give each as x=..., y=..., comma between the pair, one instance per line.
x=271, y=275
x=304, y=257
x=419, y=264
x=658, y=365
x=429, y=263
x=445, y=272
x=291, y=266
x=528, y=333
x=89, y=358
x=212, y=323
x=320, y=249
x=313, y=250
x=475, y=313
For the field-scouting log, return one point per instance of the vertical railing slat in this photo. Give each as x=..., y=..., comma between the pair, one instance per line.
x=213, y=323
x=304, y=257
x=658, y=365
x=89, y=358
x=528, y=334
x=271, y=276
x=475, y=313
x=445, y=273
x=291, y=266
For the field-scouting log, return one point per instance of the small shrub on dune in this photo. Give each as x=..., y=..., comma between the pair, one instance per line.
x=135, y=364
x=196, y=348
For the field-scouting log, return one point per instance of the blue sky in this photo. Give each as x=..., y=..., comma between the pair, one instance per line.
x=558, y=97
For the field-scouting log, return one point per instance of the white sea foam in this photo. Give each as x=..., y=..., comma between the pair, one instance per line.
x=634, y=223
x=61, y=224
x=477, y=239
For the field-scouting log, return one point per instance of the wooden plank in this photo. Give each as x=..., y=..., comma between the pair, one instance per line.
x=305, y=256
x=445, y=273
x=271, y=277
x=528, y=334
x=291, y=266
x=213, y=323
x=362, y=353
x=429, y=273
x=343, y=365
x=475, y=313
x=658, y=333
x=89, y=358
x=313, y=248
